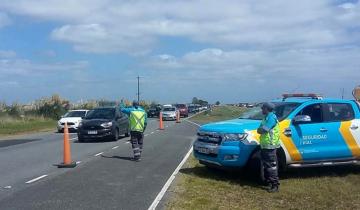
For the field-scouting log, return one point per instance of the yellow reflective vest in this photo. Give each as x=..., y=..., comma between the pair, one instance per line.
x=137, y=120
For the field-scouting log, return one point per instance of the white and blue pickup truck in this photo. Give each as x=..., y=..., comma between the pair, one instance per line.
x=315, y=131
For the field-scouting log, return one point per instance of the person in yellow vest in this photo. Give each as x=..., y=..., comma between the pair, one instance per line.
x=269, y=131
x=137, y=123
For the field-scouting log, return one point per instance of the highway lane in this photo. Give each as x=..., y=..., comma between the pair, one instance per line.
x=110, y=180
x=30, y=156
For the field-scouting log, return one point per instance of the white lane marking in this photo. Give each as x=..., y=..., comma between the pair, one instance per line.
x=169, y=181
x=36, y=179
x=7, y=187
x=115, y=147
x=146, y=134
x=193, y=123
x=172, y=177
x=73, y=139
x=99, y=154
x=128, y=142
x=78, y=162
x=152, y=132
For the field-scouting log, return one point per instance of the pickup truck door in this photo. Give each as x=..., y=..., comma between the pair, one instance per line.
x=319, y=139
x=349, y=127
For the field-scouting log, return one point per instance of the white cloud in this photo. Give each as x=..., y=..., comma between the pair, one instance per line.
x=4, y=19
x=101, y=26
x=7, y=54
x=23, y=67
x=309, y=65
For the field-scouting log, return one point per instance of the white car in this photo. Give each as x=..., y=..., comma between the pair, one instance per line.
x=72, y=118
x=169, y=113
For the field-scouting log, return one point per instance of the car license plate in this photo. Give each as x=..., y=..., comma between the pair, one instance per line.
x=92, y=132
x=203, y=150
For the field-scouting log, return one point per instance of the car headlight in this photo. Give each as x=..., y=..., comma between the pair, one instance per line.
x=80, y=124
x=106, y=125
x=234, y=136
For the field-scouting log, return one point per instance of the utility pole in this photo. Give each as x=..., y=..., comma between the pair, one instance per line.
x=138, y=88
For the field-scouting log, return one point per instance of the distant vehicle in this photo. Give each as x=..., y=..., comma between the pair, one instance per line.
x=183, y=109
x=72, y=118
x=314, y=132
x=167, y=105
x=105, y=122
x=250, y=106
x=154, y=111
x=169, y=113
x=192, y=108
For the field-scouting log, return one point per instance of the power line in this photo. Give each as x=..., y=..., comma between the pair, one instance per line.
x=138, y=88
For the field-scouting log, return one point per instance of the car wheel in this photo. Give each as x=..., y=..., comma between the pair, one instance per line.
x=116, y=135
x=127, y=134
x=80, y=139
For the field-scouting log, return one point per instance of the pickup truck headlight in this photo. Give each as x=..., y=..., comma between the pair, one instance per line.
x=234, y=136
x=106, y=125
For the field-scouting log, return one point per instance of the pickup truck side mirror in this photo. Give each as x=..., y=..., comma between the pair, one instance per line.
x=301, y=119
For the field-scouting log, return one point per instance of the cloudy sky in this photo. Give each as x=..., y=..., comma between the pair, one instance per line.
x=229, y=50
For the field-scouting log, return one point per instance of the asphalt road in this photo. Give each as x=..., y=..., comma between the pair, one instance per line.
x=105, y=178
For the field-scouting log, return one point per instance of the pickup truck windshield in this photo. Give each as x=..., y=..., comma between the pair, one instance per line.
x=101, y=114
x=282, y=110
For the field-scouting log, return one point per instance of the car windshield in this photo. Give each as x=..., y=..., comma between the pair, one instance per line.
x=282, y=110
x=75, y=114
x=181, y=106
x=101, y=114
x=169, y=109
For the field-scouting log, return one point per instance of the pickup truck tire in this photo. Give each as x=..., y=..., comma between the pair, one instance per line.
x=254, y=167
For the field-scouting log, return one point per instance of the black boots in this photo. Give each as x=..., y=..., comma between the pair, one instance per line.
x=273, y=189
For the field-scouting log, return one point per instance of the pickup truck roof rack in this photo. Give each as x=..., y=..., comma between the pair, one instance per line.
x=302, y=95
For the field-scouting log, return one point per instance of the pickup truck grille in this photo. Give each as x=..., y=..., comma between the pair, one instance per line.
x=209, y=137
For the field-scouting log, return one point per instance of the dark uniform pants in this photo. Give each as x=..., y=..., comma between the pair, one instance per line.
x=137, y=140
x=270, y=166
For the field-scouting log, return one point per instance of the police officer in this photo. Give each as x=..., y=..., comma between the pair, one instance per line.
x=269, y=131
x=138, y=123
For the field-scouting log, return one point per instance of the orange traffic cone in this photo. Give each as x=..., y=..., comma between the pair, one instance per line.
x=161, y=126
x=177, y=117
x=67, y=151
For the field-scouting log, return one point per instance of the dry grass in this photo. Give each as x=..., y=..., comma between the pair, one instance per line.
x=11, y=126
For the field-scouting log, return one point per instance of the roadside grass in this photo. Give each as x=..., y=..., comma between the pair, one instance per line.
x=11, y=126
x=198, y=187
x=218, y=114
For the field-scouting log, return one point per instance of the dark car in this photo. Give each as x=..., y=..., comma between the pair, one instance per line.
x=106, y=122
x=154, y=111
x=183, y=109
x=192, y=109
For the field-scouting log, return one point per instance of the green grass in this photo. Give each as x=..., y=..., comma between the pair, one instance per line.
x=16, y=126
x=218, y=114
x=198, y=187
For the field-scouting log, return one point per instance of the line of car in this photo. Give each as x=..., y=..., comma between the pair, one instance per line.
x=103, y=122
x=109, y=122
